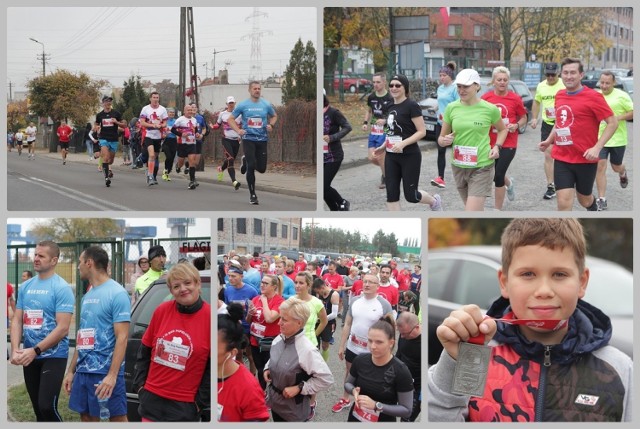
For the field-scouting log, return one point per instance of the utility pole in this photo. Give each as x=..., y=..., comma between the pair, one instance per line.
x=182, y=60
x=44, y=58
x=10, y=93
x=214, y=59
x=187, y=37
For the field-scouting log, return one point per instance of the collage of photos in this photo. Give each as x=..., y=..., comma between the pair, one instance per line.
x=258, y=123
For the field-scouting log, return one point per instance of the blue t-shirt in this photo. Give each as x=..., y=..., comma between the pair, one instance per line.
x=255, y=118
x=252, y=277
x=39, y=301
x=446, y=94
x=289, y=287
x=241, y=296
x=202, y=125
x=102, y=306
x=170, y=123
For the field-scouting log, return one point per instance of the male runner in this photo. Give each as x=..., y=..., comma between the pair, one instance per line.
x=378, y=103
x=153, y=118
x=64, y=135
x=108, y=120
x=31, y=131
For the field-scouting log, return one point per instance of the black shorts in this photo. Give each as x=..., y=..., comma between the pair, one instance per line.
x=152, y=142
x=64, y=145
x=31, y=142
x=578, y=176
x=545, y=130
x=615, y=154
x=327, y=332
x=349, y=356
x=185, y=150
x=198, y=147
x=96, y=146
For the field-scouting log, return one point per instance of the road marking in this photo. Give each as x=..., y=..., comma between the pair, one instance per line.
x=75, y=195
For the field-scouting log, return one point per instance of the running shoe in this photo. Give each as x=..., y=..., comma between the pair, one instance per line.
x=341, y=405
x=436, y=206
x=254, y=200
x=186, y=171
x=624, y=180
x=177, y=169
x=110, y=174
x=344, y=207
x=197, y=183
x=243, y=165
x=155, y=180
x=382, y=184
x=149, y=180
x=439, y=182
x=220, y=174
x=107, y=182
x=192, y=185
x=64, y=162
x=551, y=192
x=165, y=176
x=511, y=190
x=601, y=203
x=312, y=410
x=236, y=185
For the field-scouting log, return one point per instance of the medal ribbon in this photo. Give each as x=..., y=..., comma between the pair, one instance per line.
x=509, y=318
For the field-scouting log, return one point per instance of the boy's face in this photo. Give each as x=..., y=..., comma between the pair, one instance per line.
x=543, y=284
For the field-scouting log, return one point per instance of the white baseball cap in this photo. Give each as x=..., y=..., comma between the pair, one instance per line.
x=230, y=99
x=466, y=77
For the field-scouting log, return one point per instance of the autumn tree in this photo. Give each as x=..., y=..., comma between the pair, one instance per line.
x=300, y=74
x=65, y=95
x=17, y=112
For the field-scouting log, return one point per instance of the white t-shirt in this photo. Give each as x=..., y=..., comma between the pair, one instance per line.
x=364, y=313
x=31, y=133
x=152, y=115
x=230, y=133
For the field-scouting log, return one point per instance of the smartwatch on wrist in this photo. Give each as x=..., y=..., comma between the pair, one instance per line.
x=300, y=386
x=37, y=350
x=379, y=406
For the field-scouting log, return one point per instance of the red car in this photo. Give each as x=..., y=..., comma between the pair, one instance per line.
x=351, y=83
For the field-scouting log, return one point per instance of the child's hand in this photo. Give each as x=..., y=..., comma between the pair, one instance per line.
x=462, y=324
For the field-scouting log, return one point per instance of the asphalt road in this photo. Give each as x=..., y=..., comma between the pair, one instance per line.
x=358, y=181
x=45, y=184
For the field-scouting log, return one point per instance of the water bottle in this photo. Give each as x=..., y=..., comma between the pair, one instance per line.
x=104, y=408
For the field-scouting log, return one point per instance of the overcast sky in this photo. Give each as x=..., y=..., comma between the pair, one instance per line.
x=201, y=229
x=114, y=43
x=402, y=227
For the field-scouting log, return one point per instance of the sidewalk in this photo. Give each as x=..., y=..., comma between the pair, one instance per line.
x=356, y=151
x=300, y=184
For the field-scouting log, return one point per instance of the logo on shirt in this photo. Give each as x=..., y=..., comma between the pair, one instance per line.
x=588, y=400
x=564, y=116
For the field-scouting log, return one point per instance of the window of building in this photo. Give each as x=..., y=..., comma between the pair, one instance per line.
x=294, y=232
x=257, y=226
x=455, y=30
x=285, y=231
x=273, y=229
x=478, y=30
x=241, y=225
x=220, y=224
x=221, y=250
x=257, y=249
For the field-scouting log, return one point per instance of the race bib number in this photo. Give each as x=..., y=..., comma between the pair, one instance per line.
x=86, y=339
x=377, y=130
x=325, y=148
x=171, y=354
x=219, y=410
x=392, y=141
x=465, y=155
x=365, y=414
x=108, y=122
x=188, y=138
x=255, y=122
x=563, y=137
x=257, y=330
x=359, y=341
x=33, y=319
x=550, y=112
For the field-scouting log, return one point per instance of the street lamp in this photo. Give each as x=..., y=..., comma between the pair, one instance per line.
x=43, y=58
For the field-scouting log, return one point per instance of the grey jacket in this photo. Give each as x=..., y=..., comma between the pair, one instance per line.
x=292, y=361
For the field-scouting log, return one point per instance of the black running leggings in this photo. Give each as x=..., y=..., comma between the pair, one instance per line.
x=230, y=149
x=502, y=164
x=43, y=379
x=332, y=198
x=442, y=153
x=256, y=157
x=170, y=147
x=403, y=167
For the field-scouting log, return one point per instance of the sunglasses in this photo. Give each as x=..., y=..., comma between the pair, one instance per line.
x=395, y=85
x=550, y=74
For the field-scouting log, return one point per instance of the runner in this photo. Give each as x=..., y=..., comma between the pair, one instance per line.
x=230, y=142
x=19, y=139
x=545, y=97
x=447, y=92
x=330, y=299
x=64, y=135
x=576, y=144
x=186, y=128
x=41, y=323
x=622, y=106
x=258, y=119
x=170, y=145
x=153, y=118
x=514, y=116
x=108, y=120
x=31, y=132
x=378, y=103
x=202, y=130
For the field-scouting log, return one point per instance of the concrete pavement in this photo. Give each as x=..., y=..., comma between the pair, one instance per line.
x=281, y=181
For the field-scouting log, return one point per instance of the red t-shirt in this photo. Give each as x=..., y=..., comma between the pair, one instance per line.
x=511, y=108
x=241, y=398
x=333, y=280
x=9, y=296
x=190, y=334
x=390, y=293
x=64, y=133
x=299, y=266
x=255, y=263
x=403, y=280
x=578, y=118
x=356, y=289
x=259, y=327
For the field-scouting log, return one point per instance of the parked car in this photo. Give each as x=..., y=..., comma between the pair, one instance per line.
x=468, y=275
x=626, y=83
x=141, y=314
x=595, y=73
x=351, y=83
x=430, y=112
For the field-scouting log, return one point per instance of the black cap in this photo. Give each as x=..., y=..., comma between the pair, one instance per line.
x=106, y=98
x=156, y=251
x=403, y=80
x=551, y=68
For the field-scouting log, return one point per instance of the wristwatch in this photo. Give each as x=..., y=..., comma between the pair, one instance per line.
x=37, y=350
x=300, y=386
x=379, y=406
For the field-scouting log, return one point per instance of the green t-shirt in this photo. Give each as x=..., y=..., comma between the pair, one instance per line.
x=145, y=281
x=546, y=96
x=621, y=103
x=315, y=306
x=471, y=125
